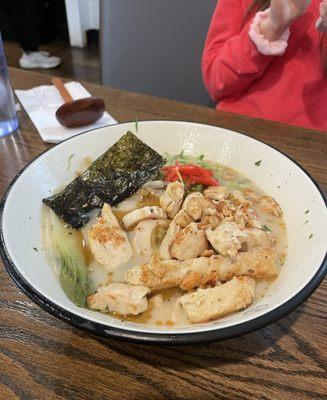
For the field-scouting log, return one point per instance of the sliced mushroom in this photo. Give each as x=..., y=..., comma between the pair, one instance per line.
x=140, y=214
x=147, y=236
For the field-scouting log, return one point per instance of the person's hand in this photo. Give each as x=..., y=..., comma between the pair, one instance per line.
x=282, y=14
x=322, y=20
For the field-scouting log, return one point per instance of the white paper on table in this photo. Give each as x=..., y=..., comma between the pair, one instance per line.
x=41, y=104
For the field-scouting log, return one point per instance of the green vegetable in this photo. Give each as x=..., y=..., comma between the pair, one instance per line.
x=311, y=236
x=306, y=212
x=195, y=188
x=183, y=158
x=234, y=185
x=258, y=163
x=73, y=269
x=266, y=229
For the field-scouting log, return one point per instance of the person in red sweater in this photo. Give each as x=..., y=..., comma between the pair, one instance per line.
x=268, y=59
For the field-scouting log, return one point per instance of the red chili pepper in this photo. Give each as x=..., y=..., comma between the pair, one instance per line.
x=190, y=173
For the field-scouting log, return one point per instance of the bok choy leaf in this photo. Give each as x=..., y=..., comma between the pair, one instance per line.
x=73, y=269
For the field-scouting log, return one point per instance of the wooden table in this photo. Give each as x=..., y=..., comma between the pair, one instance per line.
x=44, y=358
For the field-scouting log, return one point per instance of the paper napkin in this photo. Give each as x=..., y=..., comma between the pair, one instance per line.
x=41, y=104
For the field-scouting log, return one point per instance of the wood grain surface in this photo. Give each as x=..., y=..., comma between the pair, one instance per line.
x=44, y=358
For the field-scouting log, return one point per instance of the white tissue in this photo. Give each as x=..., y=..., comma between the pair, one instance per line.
x=41, y=104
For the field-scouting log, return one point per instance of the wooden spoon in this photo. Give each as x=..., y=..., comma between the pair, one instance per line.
x=80, y=112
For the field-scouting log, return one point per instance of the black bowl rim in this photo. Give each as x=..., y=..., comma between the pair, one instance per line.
x=152, y=337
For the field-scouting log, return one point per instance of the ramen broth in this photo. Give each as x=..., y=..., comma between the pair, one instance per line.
x=164, y=309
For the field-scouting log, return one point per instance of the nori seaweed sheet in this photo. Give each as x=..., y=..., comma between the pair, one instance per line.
x=123, y=169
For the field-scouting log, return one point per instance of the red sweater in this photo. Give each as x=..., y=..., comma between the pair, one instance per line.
x=291, y=88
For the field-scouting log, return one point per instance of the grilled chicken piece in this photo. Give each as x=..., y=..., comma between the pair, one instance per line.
x=269, y=205
x=257, y=239
x=250, y=194
x=201, y=271
x=238, y=199
x=121, y=298
x=108, y=242
x=193, y=205
x=181, y=220
x=253, y=220
x=226, y=238
x=171, y=201
x=215, y=193
x=143, y=238
x=195, y=279
x=165, y=274
x=259, y=264
x=149, y=212
x=189, y=243
x=207, y=304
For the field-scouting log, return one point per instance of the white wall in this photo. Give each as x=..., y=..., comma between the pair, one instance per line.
x=82, y=15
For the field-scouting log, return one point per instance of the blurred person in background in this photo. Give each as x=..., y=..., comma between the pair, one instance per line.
x=24, y=18
x=268, y=59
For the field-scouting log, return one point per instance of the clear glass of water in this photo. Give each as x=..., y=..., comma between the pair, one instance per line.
x=8, y=117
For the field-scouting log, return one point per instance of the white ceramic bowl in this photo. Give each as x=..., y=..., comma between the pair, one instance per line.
x=278, y=175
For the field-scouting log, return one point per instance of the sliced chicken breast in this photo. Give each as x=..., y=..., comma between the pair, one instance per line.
x=165, y=274
x=171, y=201
x=121, y=298
x=207, y=304
x=181, y=220
x=193, y=205
x=215, y=193
x=269, y=205
x=108, y=242
x=226, y=238
x=189, y=243
x=257, y=239
x=202, y=271
x=259, y=264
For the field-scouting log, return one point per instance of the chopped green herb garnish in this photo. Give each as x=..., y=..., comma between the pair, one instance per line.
x=69, y=161
x=266, y=229
x=306, y=212
x=201, y=157
x=195, y=188
x=35, y=249
x=278, y=187
x=258, y=163
x=136, y=125
x=306, y=221
x=181, y=154
x=311, y=236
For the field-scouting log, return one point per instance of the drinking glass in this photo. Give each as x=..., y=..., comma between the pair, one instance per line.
x=8, y=117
